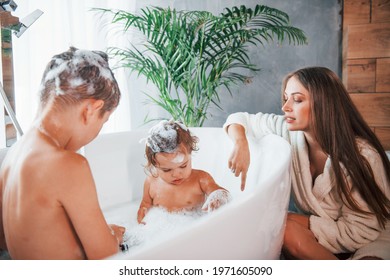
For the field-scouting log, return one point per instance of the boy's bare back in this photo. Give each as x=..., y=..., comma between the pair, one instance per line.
x=42, y=196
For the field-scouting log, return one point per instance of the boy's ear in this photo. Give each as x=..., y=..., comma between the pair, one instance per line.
x=92, y=107
x=97, y=104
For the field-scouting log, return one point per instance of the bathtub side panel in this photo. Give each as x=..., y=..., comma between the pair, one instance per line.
x=117, y=162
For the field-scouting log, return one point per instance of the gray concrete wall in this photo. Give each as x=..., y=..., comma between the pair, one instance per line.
x=319, y=19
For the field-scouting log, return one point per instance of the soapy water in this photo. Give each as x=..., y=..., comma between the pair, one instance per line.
x=159, y=223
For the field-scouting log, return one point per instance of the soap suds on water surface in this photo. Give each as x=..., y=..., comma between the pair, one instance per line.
x=159, y=223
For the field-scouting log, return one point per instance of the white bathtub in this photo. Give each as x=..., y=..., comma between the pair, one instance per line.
x=251, y=226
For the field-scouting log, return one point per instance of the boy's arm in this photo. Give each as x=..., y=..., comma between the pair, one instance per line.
x=77, y=194
x=146, y=203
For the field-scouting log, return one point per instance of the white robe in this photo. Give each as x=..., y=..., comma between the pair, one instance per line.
x=336, y=227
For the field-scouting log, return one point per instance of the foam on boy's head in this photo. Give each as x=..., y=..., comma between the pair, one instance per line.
x=163, y=136
x=80, y=74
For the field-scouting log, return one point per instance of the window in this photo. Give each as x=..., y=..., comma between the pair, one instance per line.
x=63, y=24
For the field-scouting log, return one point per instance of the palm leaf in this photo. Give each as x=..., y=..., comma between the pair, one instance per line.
x=190, y=55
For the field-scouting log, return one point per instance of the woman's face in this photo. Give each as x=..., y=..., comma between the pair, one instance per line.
x=297, y=106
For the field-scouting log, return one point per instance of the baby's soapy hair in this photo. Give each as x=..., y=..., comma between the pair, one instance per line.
x=166, y=137
x=76, y=75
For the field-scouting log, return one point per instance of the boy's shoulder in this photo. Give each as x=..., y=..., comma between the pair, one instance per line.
x=69, y=174
x=59, y=164
x=68, y=161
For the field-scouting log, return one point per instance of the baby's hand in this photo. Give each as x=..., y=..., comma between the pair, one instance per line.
x=216, y=199
x=141, y=214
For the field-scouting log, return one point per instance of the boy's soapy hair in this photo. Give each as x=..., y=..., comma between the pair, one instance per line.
x=166, y=137
x=76, y=75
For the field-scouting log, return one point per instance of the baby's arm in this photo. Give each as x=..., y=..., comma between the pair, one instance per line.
x=146, y=203
x=216, y=195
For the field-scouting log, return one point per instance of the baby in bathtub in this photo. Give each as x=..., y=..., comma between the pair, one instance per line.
x=172, y=183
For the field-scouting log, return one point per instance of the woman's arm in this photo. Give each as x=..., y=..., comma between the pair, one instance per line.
x=260, y=124
x=240, y=125
x=239, y=159
x=352, y=230
x=378, y=249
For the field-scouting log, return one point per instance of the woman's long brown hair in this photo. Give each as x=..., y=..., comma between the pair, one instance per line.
x=337, y=124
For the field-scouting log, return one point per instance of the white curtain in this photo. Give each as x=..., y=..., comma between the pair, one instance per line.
x=64, y=23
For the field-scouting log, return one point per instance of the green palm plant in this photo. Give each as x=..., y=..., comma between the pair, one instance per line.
x=190, y=55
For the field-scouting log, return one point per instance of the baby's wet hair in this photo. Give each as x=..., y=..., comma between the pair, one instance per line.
x=166, y=137
x=75, y=75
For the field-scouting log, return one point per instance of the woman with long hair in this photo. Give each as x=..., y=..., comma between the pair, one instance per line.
x=341, y=174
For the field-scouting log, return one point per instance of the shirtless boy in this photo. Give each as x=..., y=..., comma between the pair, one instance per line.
x=172, y=183
x=49, y=203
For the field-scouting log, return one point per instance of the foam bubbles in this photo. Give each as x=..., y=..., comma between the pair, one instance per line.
x=71, y=66
x=179, y=158
x=75, y=82
x=216, y=199
x=162, y=137
x=159, y=223
x=94, y=59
